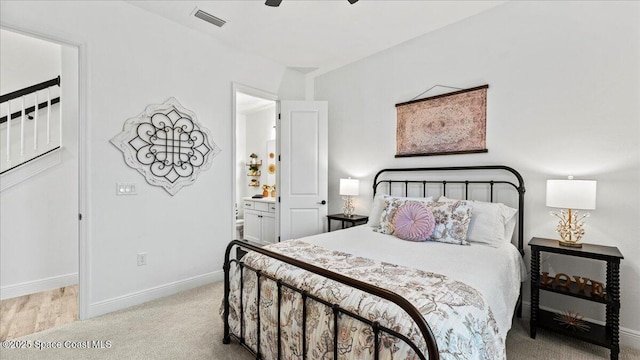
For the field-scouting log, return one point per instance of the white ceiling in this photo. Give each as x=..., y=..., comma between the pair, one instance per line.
x=318, y=36
x=246, y=104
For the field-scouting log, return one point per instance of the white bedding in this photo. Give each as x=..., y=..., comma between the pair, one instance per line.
x=495, y=272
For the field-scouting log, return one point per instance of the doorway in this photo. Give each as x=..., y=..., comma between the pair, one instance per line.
x=40, y=235
x=255, y=164
x=299, y=207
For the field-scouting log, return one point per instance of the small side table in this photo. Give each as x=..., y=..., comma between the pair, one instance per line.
x=606, y=336
x=353, y=220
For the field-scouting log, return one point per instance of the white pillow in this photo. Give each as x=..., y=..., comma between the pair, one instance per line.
x=510, y=227
x=378, y=206
x=490, y=222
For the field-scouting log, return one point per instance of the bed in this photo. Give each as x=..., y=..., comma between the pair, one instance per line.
x=364, y=293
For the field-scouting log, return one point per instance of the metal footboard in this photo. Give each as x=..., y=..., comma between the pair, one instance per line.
x=378, y=330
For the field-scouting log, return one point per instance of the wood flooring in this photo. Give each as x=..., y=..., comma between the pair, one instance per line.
x=32, y=313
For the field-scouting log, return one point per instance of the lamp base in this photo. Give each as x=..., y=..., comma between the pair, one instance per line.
x=348, y=208
x=572, y=244
x=570, y=228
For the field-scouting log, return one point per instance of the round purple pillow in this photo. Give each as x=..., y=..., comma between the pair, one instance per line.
x=413, y=222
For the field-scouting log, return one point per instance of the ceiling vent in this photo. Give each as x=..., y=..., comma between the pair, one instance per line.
x=202, y=15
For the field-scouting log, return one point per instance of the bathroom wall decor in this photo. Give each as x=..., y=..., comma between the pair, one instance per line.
x=167, y=145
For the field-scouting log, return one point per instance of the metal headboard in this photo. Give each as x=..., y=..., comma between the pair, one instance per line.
x=519, y=187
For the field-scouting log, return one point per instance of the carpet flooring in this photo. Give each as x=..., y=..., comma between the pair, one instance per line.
x=187, y=326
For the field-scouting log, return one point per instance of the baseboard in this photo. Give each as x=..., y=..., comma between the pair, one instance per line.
x=628, y=337
x=125, y=301
x=36, y=286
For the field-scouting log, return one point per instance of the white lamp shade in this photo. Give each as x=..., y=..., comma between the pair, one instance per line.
x=571, y=194
x=349, y=187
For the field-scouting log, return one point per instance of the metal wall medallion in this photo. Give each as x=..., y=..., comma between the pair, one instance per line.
x=167, y=145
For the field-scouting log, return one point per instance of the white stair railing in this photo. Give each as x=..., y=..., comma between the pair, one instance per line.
x=17, y=149
x=8, y=159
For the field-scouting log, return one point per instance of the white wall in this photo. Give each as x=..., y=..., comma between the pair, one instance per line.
x=133, y=59
x=241, y=167
x=292, y=86
x=563, y=100
x=255, y=128
x=259, y=129
x=44, y=256
x=26, y=61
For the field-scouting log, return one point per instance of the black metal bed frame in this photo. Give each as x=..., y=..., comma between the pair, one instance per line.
x=429, y=338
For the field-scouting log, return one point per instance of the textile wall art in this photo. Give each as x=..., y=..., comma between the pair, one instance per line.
x=167, y=145
x=452, y=123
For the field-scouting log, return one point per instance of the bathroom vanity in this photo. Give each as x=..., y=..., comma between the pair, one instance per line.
x=260, y=220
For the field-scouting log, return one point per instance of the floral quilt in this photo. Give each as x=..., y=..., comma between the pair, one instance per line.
x=460, y=319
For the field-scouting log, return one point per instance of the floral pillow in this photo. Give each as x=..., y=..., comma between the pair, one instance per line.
x=379, y=204
x=452, y=221
x=392, y=204
x=413, y=222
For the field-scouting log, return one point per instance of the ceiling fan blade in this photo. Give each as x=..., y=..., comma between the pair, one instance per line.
x=275, y=3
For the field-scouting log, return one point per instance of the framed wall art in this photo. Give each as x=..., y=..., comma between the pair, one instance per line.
x=167, y=145
x=452, y=123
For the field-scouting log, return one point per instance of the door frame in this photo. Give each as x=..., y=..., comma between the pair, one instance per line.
x=235, y=88
x=84, y=240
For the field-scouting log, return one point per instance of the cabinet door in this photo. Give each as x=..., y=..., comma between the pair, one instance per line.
x=252, y=224
x=268, y=228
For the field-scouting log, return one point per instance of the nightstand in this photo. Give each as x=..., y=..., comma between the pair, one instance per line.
x=353, y=220
x=606, y=336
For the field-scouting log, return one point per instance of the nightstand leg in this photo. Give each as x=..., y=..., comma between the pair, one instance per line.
x=613, y=308
x=535, y=292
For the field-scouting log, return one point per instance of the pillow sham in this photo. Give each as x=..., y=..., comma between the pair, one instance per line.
x=413, y=222
x=452, y=221
x=510, y=227
x=379, y=204
x=491, y=223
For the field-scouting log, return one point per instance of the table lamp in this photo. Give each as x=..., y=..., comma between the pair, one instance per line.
x=349, y=188
x=570, y=195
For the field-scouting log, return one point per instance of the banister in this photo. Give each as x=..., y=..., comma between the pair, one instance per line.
x=30, y=89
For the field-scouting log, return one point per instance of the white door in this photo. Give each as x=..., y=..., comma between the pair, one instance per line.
x=302, y=140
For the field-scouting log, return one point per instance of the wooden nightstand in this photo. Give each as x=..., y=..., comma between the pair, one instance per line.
x=353, y=220
x=606, y=336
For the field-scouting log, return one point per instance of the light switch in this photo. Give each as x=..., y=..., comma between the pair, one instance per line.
x=126, y=189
